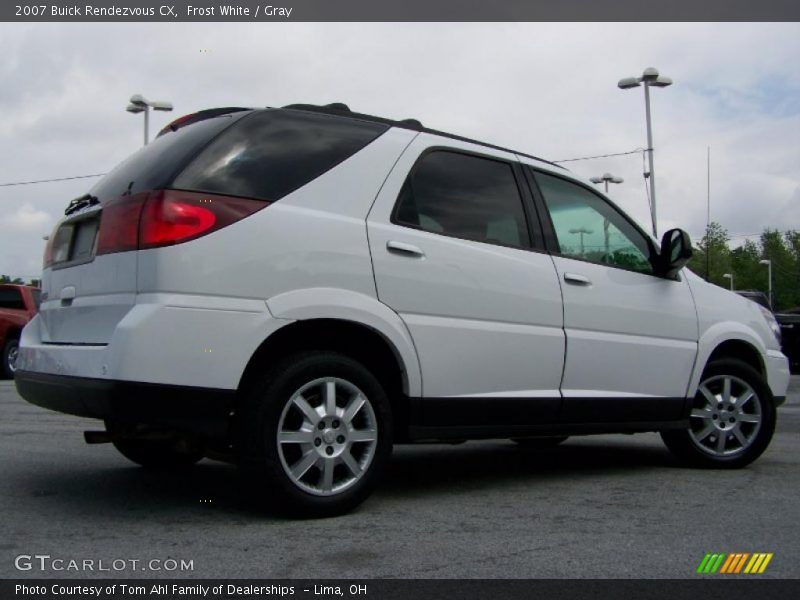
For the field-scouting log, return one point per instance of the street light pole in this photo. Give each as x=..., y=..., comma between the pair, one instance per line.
x=650, y=77
x=606, y=179
x=729, y=276
x=139, y=104
x=769, y=275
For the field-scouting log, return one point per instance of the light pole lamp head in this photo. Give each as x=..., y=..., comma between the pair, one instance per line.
x=727, y=276
x=138, y=100
x=596, y=180
x=660, y=81
x=134, y=108
x=628, y=83
x=159, y=105
x=650, y=74
x=765, y=262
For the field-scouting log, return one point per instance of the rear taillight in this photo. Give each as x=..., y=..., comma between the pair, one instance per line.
x=167, y=217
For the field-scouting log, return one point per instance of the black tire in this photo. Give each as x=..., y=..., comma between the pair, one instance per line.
x=9, y=353
x=683, y=442
x=536, y=443
x=158, y=455
x=267, y=405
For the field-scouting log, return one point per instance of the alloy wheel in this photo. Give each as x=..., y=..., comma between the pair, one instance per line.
x=327, y=436
x=726, y=417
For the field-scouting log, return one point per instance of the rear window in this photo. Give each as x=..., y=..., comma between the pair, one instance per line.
x=155, y=165
x=11, y=298
x=273, y=152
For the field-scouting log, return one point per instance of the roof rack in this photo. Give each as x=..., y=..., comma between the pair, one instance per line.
x=341, y=109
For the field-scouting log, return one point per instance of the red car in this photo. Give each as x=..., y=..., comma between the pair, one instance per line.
x=18, y=305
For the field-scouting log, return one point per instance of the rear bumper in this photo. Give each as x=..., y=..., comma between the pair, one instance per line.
x=194, y=410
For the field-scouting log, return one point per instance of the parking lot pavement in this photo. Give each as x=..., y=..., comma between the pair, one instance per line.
x=605, y=506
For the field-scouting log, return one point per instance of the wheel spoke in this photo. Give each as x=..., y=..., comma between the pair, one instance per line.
x=701, y=413
x=351, y=463
x=327, y=475
x=330, y=398
x=311, y=415
x=363, y=435
x=721, y=441
x=726, y=389
x=355, y=404
x=710, y=398
x=304, y=464
x=737, y=433
x=742, y=400
x=748, y=418
x=296, y=437
x=705, y=432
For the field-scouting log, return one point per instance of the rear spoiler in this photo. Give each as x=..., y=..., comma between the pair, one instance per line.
x=199, y=116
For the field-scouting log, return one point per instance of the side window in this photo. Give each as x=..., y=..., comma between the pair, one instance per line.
x=588, y=228
x=464, y=196
x=11, y=298
x=271, y=153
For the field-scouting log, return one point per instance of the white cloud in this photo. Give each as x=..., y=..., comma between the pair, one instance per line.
x=27, y=219
x=548, y=89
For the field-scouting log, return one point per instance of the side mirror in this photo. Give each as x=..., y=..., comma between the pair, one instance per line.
x=676, y=250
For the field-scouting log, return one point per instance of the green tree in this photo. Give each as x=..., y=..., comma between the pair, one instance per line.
x=712, y=256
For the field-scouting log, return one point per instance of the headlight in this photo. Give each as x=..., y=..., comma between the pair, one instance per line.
x=773, y=324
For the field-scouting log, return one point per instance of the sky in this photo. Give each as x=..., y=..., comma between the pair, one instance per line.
x=540, y=88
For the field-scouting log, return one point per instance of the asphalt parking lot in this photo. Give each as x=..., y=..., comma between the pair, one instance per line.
x=607, y=506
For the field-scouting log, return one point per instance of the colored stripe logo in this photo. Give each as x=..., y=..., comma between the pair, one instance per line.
x=737, y=562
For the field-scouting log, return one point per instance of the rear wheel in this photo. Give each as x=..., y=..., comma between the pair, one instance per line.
x=732, y=419
x=315, y=434
x=10, y=353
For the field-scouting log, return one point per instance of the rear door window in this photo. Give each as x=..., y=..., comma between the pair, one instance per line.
x=274, y=152
x=464, y=196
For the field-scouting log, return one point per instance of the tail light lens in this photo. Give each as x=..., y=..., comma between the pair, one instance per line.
x=167, y=217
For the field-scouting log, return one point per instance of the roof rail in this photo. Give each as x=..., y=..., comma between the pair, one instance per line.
x=339, y=108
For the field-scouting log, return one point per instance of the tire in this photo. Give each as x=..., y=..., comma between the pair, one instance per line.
x=158, y=455
x=537, y=443
x=330, y=455
x=728, y=429
x=10, y=357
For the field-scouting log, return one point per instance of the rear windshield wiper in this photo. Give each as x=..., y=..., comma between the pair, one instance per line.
x=81, y=202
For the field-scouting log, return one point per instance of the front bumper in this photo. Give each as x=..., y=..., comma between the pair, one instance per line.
x=200, y=411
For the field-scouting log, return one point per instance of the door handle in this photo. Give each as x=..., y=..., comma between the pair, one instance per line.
x=577, y=279
x=405, y=249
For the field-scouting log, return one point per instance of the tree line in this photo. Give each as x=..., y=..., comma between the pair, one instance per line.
x=713, y=258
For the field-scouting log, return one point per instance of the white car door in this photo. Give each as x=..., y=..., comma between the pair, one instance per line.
x=631, y=335
x=457, y=256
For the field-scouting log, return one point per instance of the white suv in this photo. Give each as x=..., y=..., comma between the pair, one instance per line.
x=296, y=289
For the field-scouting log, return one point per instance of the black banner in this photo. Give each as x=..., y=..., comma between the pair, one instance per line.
x=732, y=588
x=404, y=10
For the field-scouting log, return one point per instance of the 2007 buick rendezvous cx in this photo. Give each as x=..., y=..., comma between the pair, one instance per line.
x=300, y=288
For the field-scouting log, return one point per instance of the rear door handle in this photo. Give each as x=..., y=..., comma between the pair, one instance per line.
x=403, y=248
x=577, y=279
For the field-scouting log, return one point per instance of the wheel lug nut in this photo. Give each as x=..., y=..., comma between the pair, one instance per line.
x=335, y=424
x=714, y=416
x=317, y=442
x=340, y=439
x=321, y=425
x=328, y=450
x=732, y=420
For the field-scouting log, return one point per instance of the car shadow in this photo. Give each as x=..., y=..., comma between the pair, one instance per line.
x=414, y=470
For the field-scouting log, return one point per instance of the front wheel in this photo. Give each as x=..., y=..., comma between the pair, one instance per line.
x=10, y=353
x=315, y=434
x=732, y=418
